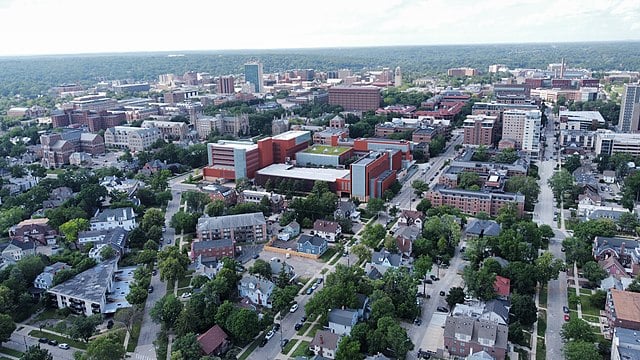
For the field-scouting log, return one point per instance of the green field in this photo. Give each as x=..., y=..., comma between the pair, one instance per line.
x=327, y=150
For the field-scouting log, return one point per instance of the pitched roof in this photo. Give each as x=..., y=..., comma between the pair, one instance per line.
x=378, y=258
x=626, y=305
x=212, y=339
x=484, y=227
x=412, y=214
x=481, y=355
x=499, y=307
x=231, y=221
x=265, y=286
x=325, y=226
x=407, y=232
x=325, y=339
x=107, y=214
x=313, y=240
x=502, y=286
x=343, y=317
x=477, y=329
x=26, y=245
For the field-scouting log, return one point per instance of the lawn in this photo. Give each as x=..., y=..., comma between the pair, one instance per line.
x=335, y=260
x=61, y=339
x=542, y=323
x=49, y=314
x=11, y=352
x=328, y=254
x=328, y=150
x=543, y=296
x=587, y=307
x=585, y=292
x=304, y=328
x=541, y=350
x=250, y=349
x=301, y=350
x=133, y=337
x=184, y=281
x=315, y=329
x=289, y=346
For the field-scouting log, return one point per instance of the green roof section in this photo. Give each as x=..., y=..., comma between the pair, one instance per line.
x=327, y=150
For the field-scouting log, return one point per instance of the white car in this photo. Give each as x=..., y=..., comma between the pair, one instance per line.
x=186, y=295
x=64, y=346
x=293, y=309
x=269, y=335
x=314, y=286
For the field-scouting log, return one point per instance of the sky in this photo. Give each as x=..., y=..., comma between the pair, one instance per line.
x=35, y=27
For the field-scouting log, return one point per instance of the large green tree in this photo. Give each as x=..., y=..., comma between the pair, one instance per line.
x=166, y=311
x=35, y=352
x=526, y=185
x=577, y=330
x=581, y=350
x=105, y=347
x=84, y=327
x=7, y=326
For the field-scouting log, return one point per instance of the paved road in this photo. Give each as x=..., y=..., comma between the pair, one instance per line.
x=19, y=338
x=557, y=289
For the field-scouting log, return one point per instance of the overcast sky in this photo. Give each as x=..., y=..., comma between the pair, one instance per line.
x=90, y=26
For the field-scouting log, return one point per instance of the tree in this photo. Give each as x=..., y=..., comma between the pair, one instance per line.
x=128, y=317
x=243, y=325
x=628, y=222
x=373, y=234
x=375, y=205
x=188, y=347
x=455, y=296
x=561, y=182
x=172, y=264
x=423, y=205
x=7, y=326
x=547, y=268
x=523, y=308
x=349, y=349
x=480, y=283
x=107, y=252
x=480, y=154
x=166, y=311
x=105, y=347
x=215, y=208
x=84, y=327
x=577, y=251
x=546, y=232
x=419, y=187
x=581, y=350
x=283, y=297
x=631, y=191
x=467, y=179
x=593, y=272
x=36, y=353
x=572, y=163
x=195, y=200
x=71, y=228
x=183, y=221
x=261, y=268
x=577, y=330
x=361, y=251
x=526, y=185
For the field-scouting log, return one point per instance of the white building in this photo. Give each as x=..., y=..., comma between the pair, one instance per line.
x=257, y=290
x=523, y=127
x=133, y=138
x=609, y=142
x=168, y=129
x=629, y=121
x=113, y=218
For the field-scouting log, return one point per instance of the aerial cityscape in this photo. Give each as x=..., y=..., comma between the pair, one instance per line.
x=321, y=196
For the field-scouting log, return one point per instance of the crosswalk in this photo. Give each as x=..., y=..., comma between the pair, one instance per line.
x=137, y=356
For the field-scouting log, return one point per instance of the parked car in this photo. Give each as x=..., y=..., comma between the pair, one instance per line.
x=43, y=340
x=276, y=326
x=186, y=295
x=263, y=342
x=314, y=286
x=64, y=346
x=109, y=324
x=565, y=309
x=293, y=308
x=319, y=281
x=442, y=309
x=417, y=321
x=303, y=319
x=256, y=256
x=428, y=281
x=284, y=342
x=309, y=290
x=442, y=293
x=150, y=289
x=53, y=342
x=298, y=326
x=566, y=317
x=269, y=334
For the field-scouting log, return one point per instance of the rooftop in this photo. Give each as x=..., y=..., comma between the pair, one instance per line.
x=90, y=284
x=290, y=171
x=325, y=339
x=292, y=134
x=627, y=305
x=343, y=317
x=236, y=144
x=326, y=150
x=230, y=221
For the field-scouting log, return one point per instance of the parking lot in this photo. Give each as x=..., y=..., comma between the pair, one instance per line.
x=303, y=267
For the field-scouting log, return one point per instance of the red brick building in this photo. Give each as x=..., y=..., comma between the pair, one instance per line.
x=358, y=98
x=480, y=130
x=473, y=202
x=213, y=248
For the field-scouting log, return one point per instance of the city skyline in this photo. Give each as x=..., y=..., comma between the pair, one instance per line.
x=75, y=27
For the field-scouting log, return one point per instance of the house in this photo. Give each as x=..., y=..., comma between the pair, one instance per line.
x=216, y=249
x=312, y=244
x=347, y=210
x=589, y=198
x=612, y=282
x=480, y=228
x=153, y=167
x=257, y=290
x=611, y=214
x=220, y=192
x=502, y=286
x=613, y=267
x=290, y=231
x=44, y=280
x=37, y=230
x=127, y=186
x=495, y=311
x=464, y=335
x=214, y=341
x=386, y=259
x=609, y=176
x=329, y=230
x=625, y=250
x=112, y=218
x=116, y=238
x=342, y=321
x=411, y=217
x=405, y=236
x=325, y=344
x=277, y=265
x=57, y=197
x=16, y=250
x=621, y=308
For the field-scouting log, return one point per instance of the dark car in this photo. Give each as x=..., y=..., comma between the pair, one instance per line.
x=263, y=342
x=43, y=340
x=256, y=256
x=433, y=277
x=442, y=309
x=109, y=324
x=428, y=281
x=417, y=321
x=276, y=327
x=442, y=293
x=150, y=289
x=565, y=309
x=53, y=342
x=284, y=342
x=298, y=326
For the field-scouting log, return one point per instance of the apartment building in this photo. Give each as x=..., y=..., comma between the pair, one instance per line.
x=608, y=143
x=225, y=85
x=629, y=120
x=108, y=219
x=479, y=130
x=465, y=335
x=584, y=120
x=463, y=71
x=132, y=138
x=523, y=127
x=169, y=129
x=473, y=202
x=355, y=98
x=239, y=228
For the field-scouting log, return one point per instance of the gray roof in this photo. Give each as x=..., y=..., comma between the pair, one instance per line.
x=606, y=214
x=209, y=244
x=90, y=284
x=378, y=257
x=27, y=245
x=500, y=307
x=120, y=213
x=230, y=221
x=343, y=317
x=116, y=237
x=629, y=348
x=313, y=240
x=264, y=285
x=478, y=194
x=603, y=243
x=483, y=227
x=408, y=232
x=481, y=355
x=477, y=329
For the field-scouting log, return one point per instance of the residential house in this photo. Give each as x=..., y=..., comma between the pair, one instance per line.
x=16, y=250
x=37, y=230
x=312, y=244
x=44, y=280
x=480, y=228
x=613, y=267
x=57, y=197
x=502, y=287
x=216, y=249
x=277, y=265
x=495, y=311
x=116, y=238
x=127, y=186
x=257, y=290
x=112, y=218
x=405, y=236
x=329, y=230
x=347, y=210
x=342, y=321
x=589, y=198
x=325, y=344
x=609, y=176
x=386, y=259
x=611, y=282
x=214, y=342
x=220, y=192
x=411, y=217
x=276, y=201
x=205, y=266
x=465, y=335
x=153, y=167
x=621, y=309
x=612, y=214
x=625, y=250
x=290, y=231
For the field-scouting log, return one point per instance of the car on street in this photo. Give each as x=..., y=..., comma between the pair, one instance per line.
x=186, y=295
x=263, y=342
x=298, y=326
x=43, y=340
x=276, y=326
x=150, y=289
x=314, y=286
x=442, y=309
x=434, y=278
x=309, y=291
x=319, y=281
x=293, y=308
x=270, y=334
x=284, y=342
x=53, y=342
x=154, y=272
x=256, y=256
x=417, y=321
x=64, y=346
x=563, y=249
x=442, y=293
x=565, y=309
x=428, y=281
x=566, y=317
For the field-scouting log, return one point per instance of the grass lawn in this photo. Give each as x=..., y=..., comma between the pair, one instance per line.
x=315, y=329
x=585, y=292
x=523, y=354
x=591, y=318
x=301, y=350
x=542, y=323
x=49, y=314
x=289, y=346
x=184, y=282
x=55, y=171
x=304, y=328
x=328, y=254
x=543, y=296
x=11, y=352
x=133, y=337
x=61, y=339
x=323, y=271
x=249, y=350
x=541, y=350
x=335, y=260
x=4, y=358
x=587, y=308
x=325, y=149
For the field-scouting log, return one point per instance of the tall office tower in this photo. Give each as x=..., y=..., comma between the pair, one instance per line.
x=629, y=121
x=225, y=85
x=398, y=77
x=253, y=75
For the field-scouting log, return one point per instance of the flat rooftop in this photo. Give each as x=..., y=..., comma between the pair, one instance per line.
x=326, y=150
x=236, y=144
x=90, y=284
x=289, y=171
x=585, y=115
x=292, y=134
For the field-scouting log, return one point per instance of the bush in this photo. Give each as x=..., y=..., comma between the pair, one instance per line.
x=65, y=311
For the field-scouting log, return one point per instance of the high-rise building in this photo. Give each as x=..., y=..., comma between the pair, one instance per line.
x=523, y=128
x=253, y=75
x=398, y=77
x=629, y=121
x=359, y=98
x=225, y=85
x=479, y=130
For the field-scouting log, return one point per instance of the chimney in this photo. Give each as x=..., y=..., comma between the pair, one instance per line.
x=321, y=340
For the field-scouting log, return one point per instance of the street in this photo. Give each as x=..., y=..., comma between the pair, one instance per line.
x=20, y=340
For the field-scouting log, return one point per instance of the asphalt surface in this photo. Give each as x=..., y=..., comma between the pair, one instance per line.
x=19, y=339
